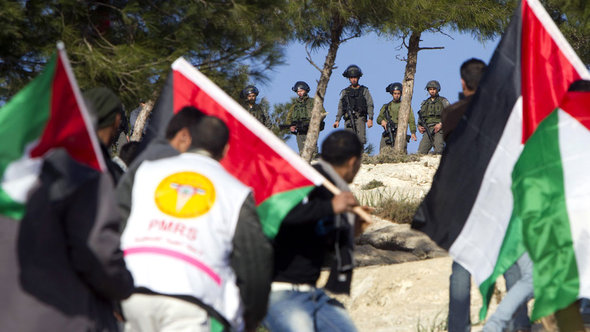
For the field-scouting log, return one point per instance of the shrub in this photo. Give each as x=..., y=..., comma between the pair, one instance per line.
x=372, y=185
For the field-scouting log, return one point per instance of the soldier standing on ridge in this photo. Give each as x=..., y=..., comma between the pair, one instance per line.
x=393, y=109
x=356, y=102
x=299, y=114
x=430, y=119
x=249, y=95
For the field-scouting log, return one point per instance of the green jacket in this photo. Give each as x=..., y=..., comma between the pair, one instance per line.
x=259, y=113
x=301, y=110
x=393, y=109
x=431, y=109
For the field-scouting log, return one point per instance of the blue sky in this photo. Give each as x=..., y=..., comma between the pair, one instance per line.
x=377, y=58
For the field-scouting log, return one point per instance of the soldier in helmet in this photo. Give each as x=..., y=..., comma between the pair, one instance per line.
x=430, y=119
x=355, y=101
x=299, y=114
x=392, y=108
x=249, y=95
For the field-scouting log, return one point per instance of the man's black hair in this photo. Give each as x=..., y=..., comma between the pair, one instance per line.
x=580, y=85
x=472, y=71
x=187, y=117
x=129, y=151
x=340, y=146
x=210, y=134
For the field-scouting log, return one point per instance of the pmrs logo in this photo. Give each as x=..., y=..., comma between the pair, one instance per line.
x=185, y=195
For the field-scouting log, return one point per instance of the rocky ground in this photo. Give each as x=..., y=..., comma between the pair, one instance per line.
x=402, y=280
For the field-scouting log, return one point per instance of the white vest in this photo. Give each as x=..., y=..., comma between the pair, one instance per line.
x=178, y=238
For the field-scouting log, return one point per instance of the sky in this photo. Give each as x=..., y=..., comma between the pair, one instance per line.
x=378, y=59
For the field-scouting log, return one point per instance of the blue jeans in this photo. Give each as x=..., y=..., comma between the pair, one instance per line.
x=306, y=312
x=520, y=293
x=459, y=299
x=520, y=320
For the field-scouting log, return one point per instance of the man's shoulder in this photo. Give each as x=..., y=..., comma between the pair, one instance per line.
x=457, y=108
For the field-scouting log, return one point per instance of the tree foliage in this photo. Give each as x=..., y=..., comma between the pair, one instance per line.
x=129, y=45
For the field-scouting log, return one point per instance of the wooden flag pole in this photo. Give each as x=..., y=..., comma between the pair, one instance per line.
x=357, y=209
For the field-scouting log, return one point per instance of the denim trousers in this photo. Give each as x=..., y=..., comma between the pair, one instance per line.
x=519, y=294
x=311, y=311
x=460, y=300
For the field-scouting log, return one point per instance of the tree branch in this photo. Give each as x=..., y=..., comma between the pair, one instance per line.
x=308, y=58
x=431, y=48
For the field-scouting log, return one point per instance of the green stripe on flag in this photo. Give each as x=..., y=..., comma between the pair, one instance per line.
x=22, y=121
x=512, y=248
x=539, y=200
x=274, y=209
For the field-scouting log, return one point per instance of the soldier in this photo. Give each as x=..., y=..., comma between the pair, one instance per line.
x=392, y=108
x=430, y=119
x=299, y=114
x=356, y=102
x=249, y=95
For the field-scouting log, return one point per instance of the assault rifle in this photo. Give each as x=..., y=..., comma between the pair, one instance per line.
x=351, y=114
x=301, y=126
x=391, y=129
x=422, y=123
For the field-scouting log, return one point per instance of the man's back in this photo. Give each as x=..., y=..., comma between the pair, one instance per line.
x=68, y=267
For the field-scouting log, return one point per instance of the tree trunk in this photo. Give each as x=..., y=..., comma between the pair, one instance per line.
x=316, y=114
x=407, y=91
x=141, y=120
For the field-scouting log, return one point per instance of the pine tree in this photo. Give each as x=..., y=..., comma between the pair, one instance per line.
x=324, y=23
x=409, y=19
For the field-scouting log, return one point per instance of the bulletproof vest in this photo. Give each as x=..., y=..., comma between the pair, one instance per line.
x=431, y=110
x=257, y=112
x=357, y=100
x=301, y=111
x=390, y=111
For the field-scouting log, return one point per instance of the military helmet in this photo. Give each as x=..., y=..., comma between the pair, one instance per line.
x=433, y=84
x=352, y=71
x=397, y=86
x=300, y=85
x=248, y=90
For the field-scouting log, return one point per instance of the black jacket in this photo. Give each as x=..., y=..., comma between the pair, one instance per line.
x=307, y=241
x=62, y=268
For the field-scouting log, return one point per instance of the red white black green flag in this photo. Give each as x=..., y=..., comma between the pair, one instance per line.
x=279, y=178
x=48, y=113
x=513, y=176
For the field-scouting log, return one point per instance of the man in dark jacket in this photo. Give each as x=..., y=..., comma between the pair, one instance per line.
x=107, y=108
x=62, y=268
x=322, y=224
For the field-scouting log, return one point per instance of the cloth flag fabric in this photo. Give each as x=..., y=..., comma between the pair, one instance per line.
x=513, y=140
x=48, y=113
x=279, y=178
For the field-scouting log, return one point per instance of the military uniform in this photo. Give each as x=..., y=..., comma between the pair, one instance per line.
x=301, y=112
x=360, y=101
x=393, y=109
x=431, y=110
x=259, y=113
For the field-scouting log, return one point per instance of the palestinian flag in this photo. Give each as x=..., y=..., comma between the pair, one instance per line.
x=279, y=178
x=512, y=175
x=48, y=113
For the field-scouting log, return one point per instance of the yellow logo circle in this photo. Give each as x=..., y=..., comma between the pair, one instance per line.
x=185, y=195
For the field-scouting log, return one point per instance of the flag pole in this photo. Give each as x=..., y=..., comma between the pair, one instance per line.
x=357, y=209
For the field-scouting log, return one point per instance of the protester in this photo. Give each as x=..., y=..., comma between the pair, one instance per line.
x=193, y=240
x=471, y=72
x=321, y=224
x=107, y=108
x=62, y=268
x=176, y=139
